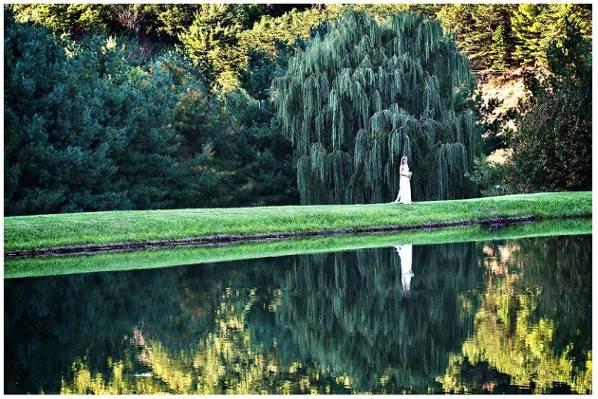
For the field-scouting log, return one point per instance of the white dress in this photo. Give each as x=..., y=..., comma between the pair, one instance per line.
x=406, y=254
x=404, y=196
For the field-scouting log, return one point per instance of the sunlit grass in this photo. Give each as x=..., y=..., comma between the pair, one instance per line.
x=42, y=231
x=148, y=259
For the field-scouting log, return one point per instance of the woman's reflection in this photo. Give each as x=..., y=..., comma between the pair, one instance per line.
x=405, y=253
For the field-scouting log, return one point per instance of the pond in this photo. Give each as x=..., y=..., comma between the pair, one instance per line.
x=503, y=316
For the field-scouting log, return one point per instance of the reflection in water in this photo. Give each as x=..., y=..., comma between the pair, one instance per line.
x=228, y=359
x=406, y=254
x=508, y=316
x=516, y=336
x=348, y=312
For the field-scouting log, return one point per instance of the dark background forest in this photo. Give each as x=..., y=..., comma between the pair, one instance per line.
x=169, y=106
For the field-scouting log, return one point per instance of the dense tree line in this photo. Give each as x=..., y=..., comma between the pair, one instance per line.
x=217, y=37
x=552, y=142
x=91, y=125
x=153, y=106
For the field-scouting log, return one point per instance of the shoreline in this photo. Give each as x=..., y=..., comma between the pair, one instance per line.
x=217, y=253
x=231, y=239
x=108, y=231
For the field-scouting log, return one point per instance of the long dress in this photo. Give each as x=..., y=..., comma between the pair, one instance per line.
x=406, y=254
x=404, y=196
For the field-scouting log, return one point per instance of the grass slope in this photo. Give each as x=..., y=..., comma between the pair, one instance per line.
x=44, y=231
x=37, y=267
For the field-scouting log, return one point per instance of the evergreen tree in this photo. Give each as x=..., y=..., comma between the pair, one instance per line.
x=482, y=31
x=74, y=19
x=212, y=41
x=536, y=27
x=357, y=99
x=265, y=174
x=57, y=139
x=270, y=32
x=527, y=29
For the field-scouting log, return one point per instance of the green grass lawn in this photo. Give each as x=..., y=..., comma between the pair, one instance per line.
x=44, y=231
x=148, y=259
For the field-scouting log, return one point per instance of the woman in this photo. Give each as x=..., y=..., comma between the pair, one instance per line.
x=404, y=196
x=406, y=255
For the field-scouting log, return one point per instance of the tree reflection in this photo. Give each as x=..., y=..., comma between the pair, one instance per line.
x=485, y=317
x=349, y=312
x=228, y=360
x=342, y=324
x=531, y=326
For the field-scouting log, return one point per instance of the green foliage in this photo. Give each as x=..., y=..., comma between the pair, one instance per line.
x=528, y=29
x=490, y=178
x=482, y=31
x=156, y=21
x=212, y=41
x=90, y=128
x=494, y=36
x=63, y=18
x=538, y=26
x=552, y=148
x=207, y=142
x=357, y=99
x=269, y=32
x=57, y=151
x=384, y=11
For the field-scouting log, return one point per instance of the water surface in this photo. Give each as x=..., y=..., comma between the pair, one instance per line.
x=496, y=316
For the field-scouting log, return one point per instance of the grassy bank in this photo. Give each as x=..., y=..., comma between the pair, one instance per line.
x=37, y=267
x=46, y=231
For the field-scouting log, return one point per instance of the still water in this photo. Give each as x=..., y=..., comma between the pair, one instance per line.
x=495, y=316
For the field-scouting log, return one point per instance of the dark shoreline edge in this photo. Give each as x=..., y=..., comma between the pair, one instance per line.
x=226, y=239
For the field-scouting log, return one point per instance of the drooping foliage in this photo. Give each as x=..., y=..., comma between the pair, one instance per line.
x=211, y=136
x=365, y=94
x=369, y=327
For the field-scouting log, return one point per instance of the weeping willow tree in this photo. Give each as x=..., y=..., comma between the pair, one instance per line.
x=364, y=94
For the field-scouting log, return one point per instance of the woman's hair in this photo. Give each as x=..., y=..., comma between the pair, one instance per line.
x=404, y=159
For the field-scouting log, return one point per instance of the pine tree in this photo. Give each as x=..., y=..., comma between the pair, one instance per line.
x=536, y=27
x=482, y=31
x=74, y=19
x=212, y=41
x=527, y=29
x=365, y=94
x=496, y=18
